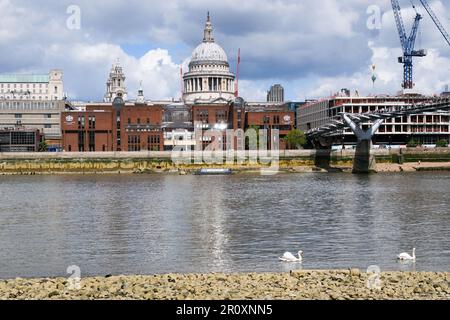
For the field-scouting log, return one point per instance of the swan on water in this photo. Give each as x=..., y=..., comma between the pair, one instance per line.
x=289, y=257
x=405, y=256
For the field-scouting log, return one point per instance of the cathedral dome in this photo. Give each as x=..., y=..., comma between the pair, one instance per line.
x=209, y=51
x=209, y=78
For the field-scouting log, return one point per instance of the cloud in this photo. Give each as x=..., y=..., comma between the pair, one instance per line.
x=88, y=66
x=311, y=47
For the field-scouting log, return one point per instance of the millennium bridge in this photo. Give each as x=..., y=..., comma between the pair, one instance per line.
x=323, y=137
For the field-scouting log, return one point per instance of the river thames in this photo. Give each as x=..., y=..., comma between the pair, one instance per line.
x=151, y=224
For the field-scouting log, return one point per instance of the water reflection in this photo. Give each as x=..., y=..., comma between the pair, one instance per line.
x=158, y=224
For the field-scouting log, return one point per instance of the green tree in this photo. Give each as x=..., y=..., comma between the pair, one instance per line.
x=295, y=139
x=442, y=143
x=43, y=147
x=412, y=143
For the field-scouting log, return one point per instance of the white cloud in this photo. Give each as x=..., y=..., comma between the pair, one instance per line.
x=89, y=65
x=431, y=73
x=252, y=91
x=311, y=47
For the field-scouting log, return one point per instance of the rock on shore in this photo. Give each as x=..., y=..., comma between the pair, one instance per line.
x=344, y=284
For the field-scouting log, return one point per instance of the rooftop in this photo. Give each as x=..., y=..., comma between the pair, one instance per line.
x=24, y=78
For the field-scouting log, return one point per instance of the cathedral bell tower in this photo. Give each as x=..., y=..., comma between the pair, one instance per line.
x=115, y=86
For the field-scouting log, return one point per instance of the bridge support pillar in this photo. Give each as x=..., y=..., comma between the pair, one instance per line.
x=323, y=153
x=364, y=161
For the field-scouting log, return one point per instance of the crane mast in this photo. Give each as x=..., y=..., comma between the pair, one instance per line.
x=408, y=44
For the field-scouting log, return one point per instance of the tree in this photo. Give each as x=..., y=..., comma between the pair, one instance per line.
x=43, y=147
x=442, y=143
x=295, y=139
x=412, y=143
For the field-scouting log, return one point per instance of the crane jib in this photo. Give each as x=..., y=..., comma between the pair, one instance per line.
x=436, y=20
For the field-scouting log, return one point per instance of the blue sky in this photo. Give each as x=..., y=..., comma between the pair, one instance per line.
x=313, y=48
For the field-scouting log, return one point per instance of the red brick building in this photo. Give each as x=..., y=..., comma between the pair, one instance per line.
x=270, y=118
x=113, y=127
x=120, y=126
x=214, y=118
x=89, y=130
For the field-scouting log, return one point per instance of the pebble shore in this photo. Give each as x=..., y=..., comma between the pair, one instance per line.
x=297, y=285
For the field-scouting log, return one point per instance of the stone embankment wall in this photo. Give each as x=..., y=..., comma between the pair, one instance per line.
x=148, y=162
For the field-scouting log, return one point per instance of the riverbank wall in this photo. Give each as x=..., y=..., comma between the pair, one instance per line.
x=163, y=162
x=349, y=284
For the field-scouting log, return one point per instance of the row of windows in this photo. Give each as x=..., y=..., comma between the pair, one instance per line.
x=406, y=128
x=23, y=138
x=23, y=85
x=20, y=116
x=221, y=116
x=27, y=97
x=208, y=66
x=138, y=121
x=276, y=119
x=151, y=139
x=28, y=105
x=23, y=93
x=153, y=143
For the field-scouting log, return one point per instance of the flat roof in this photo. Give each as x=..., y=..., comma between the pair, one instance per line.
x=24, y=78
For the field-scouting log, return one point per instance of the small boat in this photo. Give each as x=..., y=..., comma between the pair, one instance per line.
x=204, y=172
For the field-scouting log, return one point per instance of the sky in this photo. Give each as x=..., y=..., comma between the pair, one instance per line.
x=313, y=48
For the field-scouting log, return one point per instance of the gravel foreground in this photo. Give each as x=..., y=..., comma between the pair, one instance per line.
x=297, y=285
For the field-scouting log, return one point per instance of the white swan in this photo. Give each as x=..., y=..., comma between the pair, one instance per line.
x=405, y=256
x=289, y=257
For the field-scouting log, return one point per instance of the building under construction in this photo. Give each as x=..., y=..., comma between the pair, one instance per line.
x=425, y=129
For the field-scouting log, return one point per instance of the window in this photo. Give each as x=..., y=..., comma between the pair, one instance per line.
x=81, y=140
x=91, y=122
x=22, y=138
x=91, y=141
x=47, y=126
x=138, y=121
x=266, y=120
x=81, y=122
x=148, y=120
x=153, y=142
x=134, y=143
x=276, y=119
x=56, y=90
x=18, y=116
x=239, y=119
x=48, y=116
x=221, y=116
x=203, y=116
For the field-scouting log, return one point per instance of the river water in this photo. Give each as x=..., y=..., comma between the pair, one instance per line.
x=147, y=224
